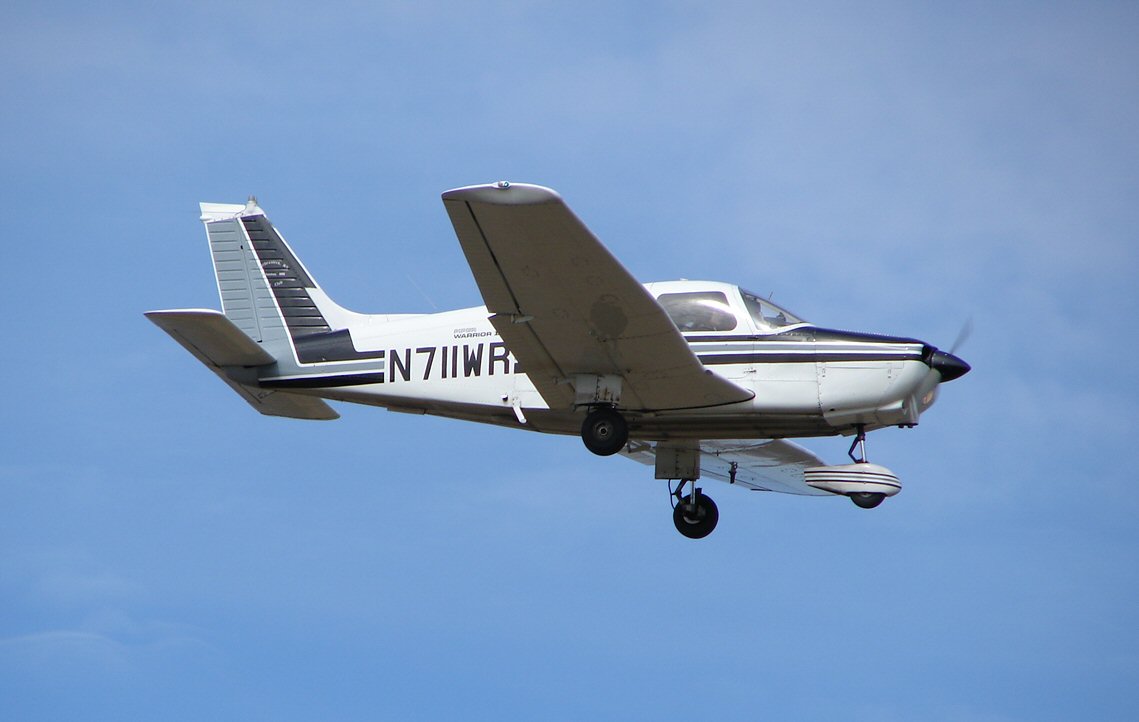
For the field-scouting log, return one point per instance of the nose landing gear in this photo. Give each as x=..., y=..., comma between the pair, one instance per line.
x=860, y=444
x=867, y=499
x=866, y=484
x=863, y=499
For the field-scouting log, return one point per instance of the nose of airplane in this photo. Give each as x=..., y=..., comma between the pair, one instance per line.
x=949, y=366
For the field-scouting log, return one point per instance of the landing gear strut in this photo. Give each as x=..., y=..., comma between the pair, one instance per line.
x=605, y=431
x=860, y=444
x=695, y=515
x=862, y=499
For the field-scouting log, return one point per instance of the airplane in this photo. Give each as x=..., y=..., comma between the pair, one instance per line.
x=694, y=378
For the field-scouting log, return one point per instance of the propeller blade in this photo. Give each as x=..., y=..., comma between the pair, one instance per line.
x=962, y=335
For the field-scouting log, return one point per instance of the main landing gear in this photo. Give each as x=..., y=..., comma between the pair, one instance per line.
x=605, y=431
x=695, y=515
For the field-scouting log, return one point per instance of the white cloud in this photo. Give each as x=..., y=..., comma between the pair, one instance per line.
x=63, y=651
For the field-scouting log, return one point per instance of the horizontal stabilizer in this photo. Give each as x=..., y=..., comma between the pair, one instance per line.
x=211, y=337
x=223, y=347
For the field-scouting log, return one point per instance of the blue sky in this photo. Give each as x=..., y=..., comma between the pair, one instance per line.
x=167, y=553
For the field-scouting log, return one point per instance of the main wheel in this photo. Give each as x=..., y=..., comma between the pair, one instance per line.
x=604, y=431
x=696, y=521
x=867, y=499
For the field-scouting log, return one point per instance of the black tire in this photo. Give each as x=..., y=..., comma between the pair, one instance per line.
x=867, y=499
x=605, y=432
x=698, y=522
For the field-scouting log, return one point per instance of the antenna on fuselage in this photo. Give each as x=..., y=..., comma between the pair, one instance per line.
x=421, y=291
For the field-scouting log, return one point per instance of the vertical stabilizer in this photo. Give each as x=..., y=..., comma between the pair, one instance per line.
x=265, y=290
x=246, y=297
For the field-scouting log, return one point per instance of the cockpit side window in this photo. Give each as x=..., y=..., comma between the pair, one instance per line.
x=768, y=316
x=699, y=311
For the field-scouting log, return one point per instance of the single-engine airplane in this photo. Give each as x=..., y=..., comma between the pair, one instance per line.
x=692, y=377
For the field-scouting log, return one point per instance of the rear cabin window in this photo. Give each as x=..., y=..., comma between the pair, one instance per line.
x=700, y=311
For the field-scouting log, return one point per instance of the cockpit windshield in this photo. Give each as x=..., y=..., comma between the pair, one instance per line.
x=767, y=316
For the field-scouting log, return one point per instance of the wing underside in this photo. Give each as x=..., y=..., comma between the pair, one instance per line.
x=759, y=465
x=566, y=307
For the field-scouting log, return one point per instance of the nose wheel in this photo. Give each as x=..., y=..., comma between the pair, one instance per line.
x=694, y=515
x=867, y=499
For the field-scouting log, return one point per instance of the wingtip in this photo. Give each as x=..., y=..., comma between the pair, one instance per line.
x=503, y=193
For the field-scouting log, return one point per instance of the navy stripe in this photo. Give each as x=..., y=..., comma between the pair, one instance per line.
x=851, y=475
x=737, y=337
x=331, y=346
x=806, y=334
x=803, y=357
x=321, y=382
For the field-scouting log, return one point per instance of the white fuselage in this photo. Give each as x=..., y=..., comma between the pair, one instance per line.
x=807, y=381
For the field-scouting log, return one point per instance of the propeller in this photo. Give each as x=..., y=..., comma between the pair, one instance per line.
x=962, y=335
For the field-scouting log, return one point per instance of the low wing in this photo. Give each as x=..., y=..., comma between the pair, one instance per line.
x=565, y=306
x=224, y=348
x=763, y=465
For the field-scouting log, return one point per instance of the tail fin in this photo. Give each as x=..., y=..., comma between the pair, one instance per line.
x=274, y=315
x=267, y=292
